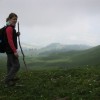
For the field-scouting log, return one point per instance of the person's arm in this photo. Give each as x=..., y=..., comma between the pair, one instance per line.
x=9, y=32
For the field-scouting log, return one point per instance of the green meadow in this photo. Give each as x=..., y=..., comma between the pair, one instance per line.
x=73, y=75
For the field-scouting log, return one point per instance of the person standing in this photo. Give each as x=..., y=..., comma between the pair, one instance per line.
x=13, y=64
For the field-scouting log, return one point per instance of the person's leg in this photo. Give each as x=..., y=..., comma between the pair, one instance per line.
x=13, y=69
x=9, y=65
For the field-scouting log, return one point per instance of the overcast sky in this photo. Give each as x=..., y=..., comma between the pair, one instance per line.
x=55, y=21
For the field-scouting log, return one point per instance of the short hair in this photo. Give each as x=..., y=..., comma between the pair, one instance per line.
x=11, y=15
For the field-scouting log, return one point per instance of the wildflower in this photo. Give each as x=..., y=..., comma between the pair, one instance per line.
x=90, y=84
x=90, y=91
x=94, y=80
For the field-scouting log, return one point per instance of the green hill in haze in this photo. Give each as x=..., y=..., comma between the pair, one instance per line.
x=70, y=58
x=58, y=48
x=65, y=59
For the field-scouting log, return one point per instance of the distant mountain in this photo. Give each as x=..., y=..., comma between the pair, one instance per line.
x=57, y=47
x=75, y=58
x=51, y=48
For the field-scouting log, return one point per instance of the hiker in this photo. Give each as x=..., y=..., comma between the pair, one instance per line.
x=13, y=64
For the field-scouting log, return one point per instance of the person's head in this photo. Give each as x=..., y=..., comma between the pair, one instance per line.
x=12, y=19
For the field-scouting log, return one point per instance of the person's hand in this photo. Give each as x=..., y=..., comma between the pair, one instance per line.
x=16, y=54
x=18, y=33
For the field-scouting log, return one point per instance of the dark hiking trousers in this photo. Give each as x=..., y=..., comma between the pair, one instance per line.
x=12, y=67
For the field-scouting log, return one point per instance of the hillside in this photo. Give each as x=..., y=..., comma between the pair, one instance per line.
x=58, y=76
x=86, y=57
x=57, y=47
x=66, y=59
x=70, y=59
x=31, y=50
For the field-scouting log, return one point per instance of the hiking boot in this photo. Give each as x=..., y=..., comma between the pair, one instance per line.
x=15, y=79
x=10, y=84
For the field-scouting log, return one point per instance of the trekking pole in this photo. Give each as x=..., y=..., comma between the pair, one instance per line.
x=22, y=50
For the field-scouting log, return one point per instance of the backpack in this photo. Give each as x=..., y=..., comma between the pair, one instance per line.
x=2, y=39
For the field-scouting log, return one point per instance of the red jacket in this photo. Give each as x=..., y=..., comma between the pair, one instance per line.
x=11, y=38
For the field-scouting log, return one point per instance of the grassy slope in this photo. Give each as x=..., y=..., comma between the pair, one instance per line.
x=90, y=57
x=75, y=84
x=73, y=58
